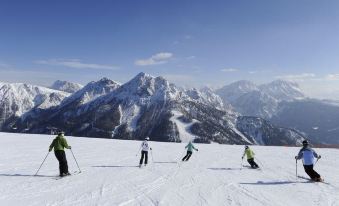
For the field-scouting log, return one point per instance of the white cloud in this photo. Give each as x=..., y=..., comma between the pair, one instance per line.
x=297, y=77
x=159, y=58
x=229, y=70
x=75, y=63
x=332, y=77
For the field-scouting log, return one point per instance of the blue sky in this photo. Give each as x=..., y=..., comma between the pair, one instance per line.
x=191, y=43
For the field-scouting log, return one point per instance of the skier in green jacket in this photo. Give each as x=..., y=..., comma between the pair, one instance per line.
x=59, y=143
x=250, y=157
x=190, y=148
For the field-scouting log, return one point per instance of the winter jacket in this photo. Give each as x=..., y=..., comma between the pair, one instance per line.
x=249, y=153
x=190, y=147
x=145, y=146
x=59, y=143
x=308, y=155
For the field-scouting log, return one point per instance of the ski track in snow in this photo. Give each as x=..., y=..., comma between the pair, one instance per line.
x=110, y=176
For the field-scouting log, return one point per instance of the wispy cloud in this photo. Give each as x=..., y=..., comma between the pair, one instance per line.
x=332, y=77
x=159, y=58
x=188, y=36
x=75, y=63
x=182, y=39
x=190, y=57
x=229, y=70
x=4, y=65
x=297, y=77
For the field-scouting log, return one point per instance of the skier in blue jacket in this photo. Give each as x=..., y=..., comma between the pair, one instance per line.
x=190, y=148
x=308, y=155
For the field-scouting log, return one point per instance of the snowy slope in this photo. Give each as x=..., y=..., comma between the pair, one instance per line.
x=110, y=176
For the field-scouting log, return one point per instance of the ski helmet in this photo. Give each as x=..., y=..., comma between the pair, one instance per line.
x=305, y=142
x=147, y=138
x=60, y=132
x=246, y=146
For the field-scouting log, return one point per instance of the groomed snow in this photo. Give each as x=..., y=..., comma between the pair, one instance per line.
x=184, y=129
x=110, y=176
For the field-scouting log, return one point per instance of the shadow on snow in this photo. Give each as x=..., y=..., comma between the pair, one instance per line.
x=224, y=168
x=271, y=183
x=25, y=175
x=173, y=162
x=114, y=166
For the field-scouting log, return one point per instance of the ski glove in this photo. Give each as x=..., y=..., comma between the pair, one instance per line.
x=319, y=156
x=150, y=148
x=69, y=147
x=296, y=157
x=196, y=149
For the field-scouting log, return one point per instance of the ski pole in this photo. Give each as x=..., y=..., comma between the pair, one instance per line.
x=262, y=165
x=316, y=162
x=242, y=161
x=76, y=161
x=138, y=152
x=41, y=164
x=296, y=169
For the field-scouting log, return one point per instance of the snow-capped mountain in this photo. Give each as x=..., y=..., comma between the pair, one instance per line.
x=284, y=104
x=144, y=106
x=282, y=90
x=207, y=96
x=66, y=86
x=91, y=91
x=17, y=98
x=232, y=92
x=262, y=100
x=70, y=105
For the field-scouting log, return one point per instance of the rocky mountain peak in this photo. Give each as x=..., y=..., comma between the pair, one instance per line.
x=66, y=86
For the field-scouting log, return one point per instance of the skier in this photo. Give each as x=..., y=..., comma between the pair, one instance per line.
x=144, y=151
x=190, y=148
x=308, y=155
x=59, y=143
x=250, y=157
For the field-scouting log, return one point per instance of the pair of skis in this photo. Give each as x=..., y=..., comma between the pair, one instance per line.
x=72, y=174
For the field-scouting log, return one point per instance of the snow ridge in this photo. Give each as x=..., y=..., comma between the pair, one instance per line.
x=19, y=98
x=66, y=86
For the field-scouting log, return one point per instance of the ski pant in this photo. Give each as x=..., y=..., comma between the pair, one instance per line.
x=252, y=163
x=144, y=154
x=309, y=170
x=61, y=156
x=187, y=157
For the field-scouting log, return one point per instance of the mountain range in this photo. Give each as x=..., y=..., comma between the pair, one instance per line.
x=283, y=103
x=239, y=113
